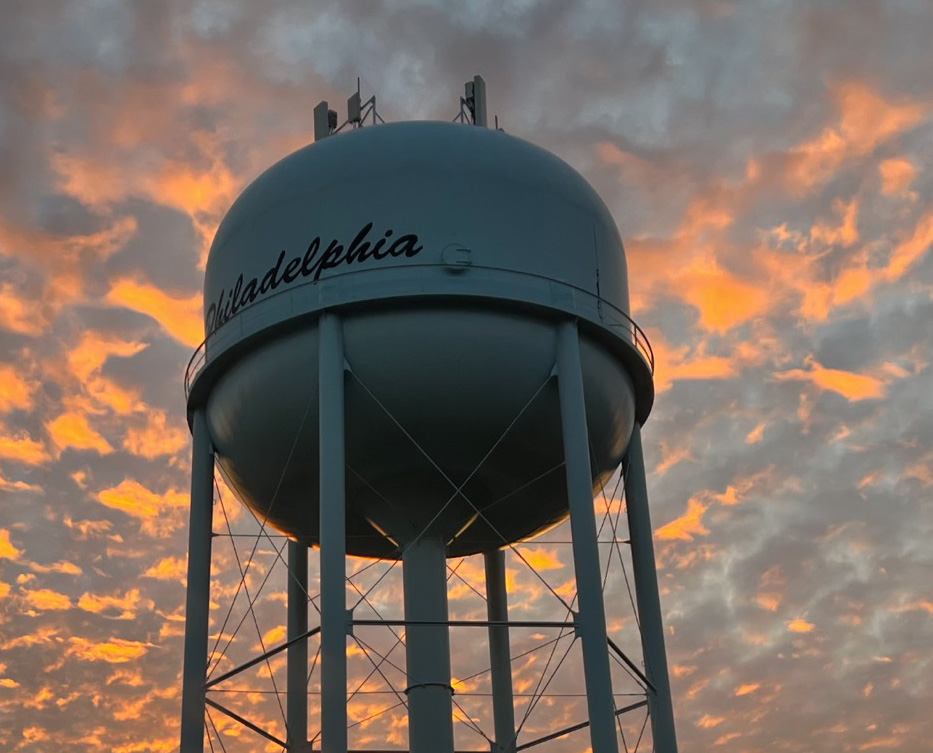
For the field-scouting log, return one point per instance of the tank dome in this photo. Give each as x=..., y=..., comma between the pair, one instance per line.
x=450, y=253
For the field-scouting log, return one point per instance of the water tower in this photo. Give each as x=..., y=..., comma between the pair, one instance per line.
x=418, y=346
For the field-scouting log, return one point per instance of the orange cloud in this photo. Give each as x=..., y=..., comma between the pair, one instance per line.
x=896, y=176
x=909, y=251
x=195, y=190
x=674, y=363
x=156, y=438
x=800, y=625
x=729, y=737
x=723, y=300
x=64, y=567
x=769, y=601
x=7, y=550
x=119, y=607
x=747, y=688
x=756, y=434
x=73, y=430
x=45, y=599
x=152, y=509
x=15, y=391
x=18, y=486
x=114, y=651
x=688, y=525
x=853, y=387
x=180, y=317
x=168, y=568
x=203, y=187
x=865, y=121
x=707, y=721
x=23, y=449
x=671, y=457
x=797, y=274
x=771, y=585
x=17, y=315
x=88, y=357
x=540, y=558
x=844, y=234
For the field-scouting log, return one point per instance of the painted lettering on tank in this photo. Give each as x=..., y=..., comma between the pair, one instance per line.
x=312, y=263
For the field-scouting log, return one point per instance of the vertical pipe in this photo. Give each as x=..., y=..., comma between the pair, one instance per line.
x=427, y=648
x=197, y=603
x=591, y=621
x=297, y=657
x=648, y=598
x=333, y=538
x=500, y=654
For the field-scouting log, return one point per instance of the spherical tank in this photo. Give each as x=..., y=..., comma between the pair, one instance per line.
x=451, y=254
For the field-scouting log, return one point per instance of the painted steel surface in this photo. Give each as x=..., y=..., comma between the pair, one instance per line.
x=452, y=253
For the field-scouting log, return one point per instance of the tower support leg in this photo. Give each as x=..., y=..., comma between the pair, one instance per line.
x=500, y=654
x=648, y=598
x=591, y=621
x=333, y=538
x=427, y=647
x=297, y=657
x=197, y=604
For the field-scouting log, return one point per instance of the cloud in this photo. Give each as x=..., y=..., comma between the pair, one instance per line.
x=18, y=486
x=866, y=119
x=16, y=391
x=168, y=568
x=851, y=386
x=152, y=509
x=723, y=300
x=45, y=599
x=72, y=430
x=180, y=317
x=897, y=174
x=113, y=651
x=116, y=607
x=800, y=625
x=7, y=550
x=16, y=315
x=909, y=251
x=155, y=438
x=23, y=449
x=87, y=359
x=688, y=525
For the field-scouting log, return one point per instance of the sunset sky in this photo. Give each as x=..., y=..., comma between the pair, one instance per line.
x=770, y=167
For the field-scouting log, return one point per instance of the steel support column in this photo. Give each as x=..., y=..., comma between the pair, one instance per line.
x=591, y=621
x=648, y=598
x=500, y=653
x=297, y=656
x=197, y=604
x=333, y=538
x=427, y=648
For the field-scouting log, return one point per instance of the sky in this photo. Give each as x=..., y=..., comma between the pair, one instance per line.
x=770, y=166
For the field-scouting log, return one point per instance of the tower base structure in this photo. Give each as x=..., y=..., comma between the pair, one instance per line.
x=426, y=623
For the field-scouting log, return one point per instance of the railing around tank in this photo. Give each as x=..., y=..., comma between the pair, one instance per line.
x=624, y=323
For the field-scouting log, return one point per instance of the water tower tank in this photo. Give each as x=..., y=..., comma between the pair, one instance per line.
x=451, y=253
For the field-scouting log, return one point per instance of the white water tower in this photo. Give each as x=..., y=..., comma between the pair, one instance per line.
x=418, y=346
